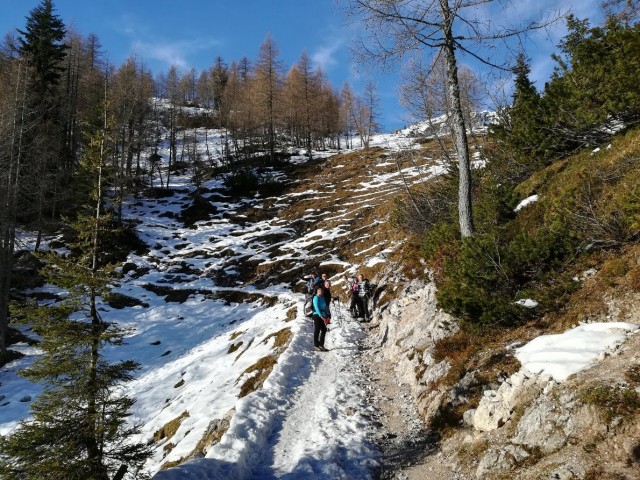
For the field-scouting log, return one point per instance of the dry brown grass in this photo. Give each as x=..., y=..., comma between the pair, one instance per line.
x=618, y=274
x=598, y=473
x=292, y=314
x=170, y=428
x=261, y=370
x=633, y=375
x=282, y=339
x=173, y=463
x=235, y=335
x=233, y=347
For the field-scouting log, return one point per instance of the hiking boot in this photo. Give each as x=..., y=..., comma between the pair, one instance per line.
x=318, y=349
x=322, y=349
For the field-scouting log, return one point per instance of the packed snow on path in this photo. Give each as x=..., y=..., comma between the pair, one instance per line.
x=309, y=420
x=565, y=354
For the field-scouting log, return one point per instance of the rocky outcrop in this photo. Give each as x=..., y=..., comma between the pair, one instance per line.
x=526, y=425
x=496, y=406
x=409, y=328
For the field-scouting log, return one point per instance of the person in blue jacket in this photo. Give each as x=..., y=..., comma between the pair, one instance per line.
x=321, y=318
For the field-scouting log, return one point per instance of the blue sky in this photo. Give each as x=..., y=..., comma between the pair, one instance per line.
x=191, y=33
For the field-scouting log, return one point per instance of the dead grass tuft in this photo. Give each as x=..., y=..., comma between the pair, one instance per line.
x=233, y=347
x=633, y=375
x=170, y=428
x=292, y=314
x=261, y=370
x=610, y=401
x=235, y=335
x=282, y=339
x=598, y=473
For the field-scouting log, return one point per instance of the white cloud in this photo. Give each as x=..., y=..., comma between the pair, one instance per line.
x=171, y=52
x=325, y=55
x=144, y=42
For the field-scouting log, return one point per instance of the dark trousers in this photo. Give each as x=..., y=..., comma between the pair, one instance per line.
x=319, y=331
x=353, y=305
x=362, y=304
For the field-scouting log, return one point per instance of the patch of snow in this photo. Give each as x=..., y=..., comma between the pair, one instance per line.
x=565, y=354
x=525, y=202
x=373, y=261
x=527, y=303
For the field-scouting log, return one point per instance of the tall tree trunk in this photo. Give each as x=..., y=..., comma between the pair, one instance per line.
x=457, y=124
x=7, y=226
x=94, y=450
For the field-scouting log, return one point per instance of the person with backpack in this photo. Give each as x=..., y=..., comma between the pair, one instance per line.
x=363, y=292
x=321, y=318
x=310, y=288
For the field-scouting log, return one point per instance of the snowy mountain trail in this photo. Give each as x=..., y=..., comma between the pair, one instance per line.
x=229, y=385
x=318, y=426
x=324, y=434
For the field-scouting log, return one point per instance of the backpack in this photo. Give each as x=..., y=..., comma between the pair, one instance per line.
x=310, y=286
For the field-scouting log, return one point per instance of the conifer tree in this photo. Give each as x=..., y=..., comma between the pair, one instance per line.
x=268, y=84
x=79, y=428
x=41, y=44
x=522, y=135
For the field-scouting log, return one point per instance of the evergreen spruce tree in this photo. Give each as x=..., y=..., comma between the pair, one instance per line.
x=79, y=428
x=41, y=47
x=522, y=135
x=41, y=44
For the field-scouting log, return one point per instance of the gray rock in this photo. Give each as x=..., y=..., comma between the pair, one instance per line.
x=562, y=473
x=502, y=460
x=490, y=415
x=543, y=425
x=467, y=417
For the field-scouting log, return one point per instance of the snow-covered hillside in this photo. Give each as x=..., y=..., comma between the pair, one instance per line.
x=230, y=387
x=217, y=324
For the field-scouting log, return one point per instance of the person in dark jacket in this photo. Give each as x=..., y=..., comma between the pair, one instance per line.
x=310, y=289
x=326, y=293
x=351, y=289
x=321, y=318
x=363, y=292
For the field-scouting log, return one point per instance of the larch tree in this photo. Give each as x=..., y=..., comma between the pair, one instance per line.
x=397, y=29
x=30, y=69
x=219, y=76
x=172, y=91
x=371, y=103
x=267, y=90
x=303, y=94
x=346, y=108
x=15, y=123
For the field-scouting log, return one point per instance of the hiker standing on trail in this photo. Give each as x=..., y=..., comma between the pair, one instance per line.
x=321, y=318
x=310, y=288
x=326, y=291
x=350, y=286
x=363, y=291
